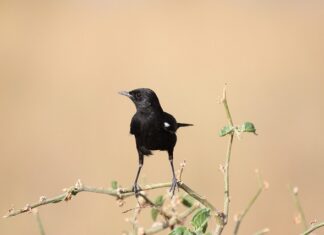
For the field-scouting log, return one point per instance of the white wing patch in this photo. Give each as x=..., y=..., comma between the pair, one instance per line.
x=166, y=125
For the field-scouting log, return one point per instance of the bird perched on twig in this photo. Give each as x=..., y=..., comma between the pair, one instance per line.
x=153, y=129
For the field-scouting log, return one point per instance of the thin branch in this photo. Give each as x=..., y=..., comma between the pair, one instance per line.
x=263, y=231
x=163, y=213
x=295, y=195
x=39, y=222
x=226, y=178
x=228, y=113
x=199, y=198
x=79, y=187
x=173, y=221
x=250, y=204
x=313, y=228
x=220, y=226
x=119, y=193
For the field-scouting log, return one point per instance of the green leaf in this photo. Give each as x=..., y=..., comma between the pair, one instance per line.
x=178, y=231
x=158, y=202
x=188, y=232
x=200, y=219
x=226, y=130
x=181, y=231
x=154, y=214
x=188, y=201
x=114, y=184
x=248, y=127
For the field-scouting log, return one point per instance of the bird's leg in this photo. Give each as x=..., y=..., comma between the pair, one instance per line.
x=174, y=178
x=136, y=188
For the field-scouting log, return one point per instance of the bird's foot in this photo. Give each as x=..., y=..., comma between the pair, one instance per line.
x=136, y=189
x=174, y=185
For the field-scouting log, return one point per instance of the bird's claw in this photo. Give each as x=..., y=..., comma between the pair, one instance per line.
x=174, y=185
x=136, y=189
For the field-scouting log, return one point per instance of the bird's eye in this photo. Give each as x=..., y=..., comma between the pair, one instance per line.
x=138, y=95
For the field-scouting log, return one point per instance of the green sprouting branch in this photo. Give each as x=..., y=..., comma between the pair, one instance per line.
x=295, y=195
x=220, y=226
x=230, y=130
x=119, y=193
x=313, y=228
x=241, y=216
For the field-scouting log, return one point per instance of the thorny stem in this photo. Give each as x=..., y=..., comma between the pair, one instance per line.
x=313, y=228
x=298, y=206
x=120, y=193
x=250, y=204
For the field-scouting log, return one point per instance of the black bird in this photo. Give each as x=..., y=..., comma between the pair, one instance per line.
x=153, y=129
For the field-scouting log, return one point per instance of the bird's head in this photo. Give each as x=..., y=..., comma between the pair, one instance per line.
x=144, y=99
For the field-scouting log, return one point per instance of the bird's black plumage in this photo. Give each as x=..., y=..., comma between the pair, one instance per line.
x=153, y=129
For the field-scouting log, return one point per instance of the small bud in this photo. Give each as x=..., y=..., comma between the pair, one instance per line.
x=27, y=208
x=11, y=209
x=314, y=221
x=295, y=190
x=297, y=219
x=78, y=184
x=120, y=202
x=42, y=199
x=221, y=168
x=266, y=185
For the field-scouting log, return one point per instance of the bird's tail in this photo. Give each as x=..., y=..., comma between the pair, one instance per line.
x=183, y=125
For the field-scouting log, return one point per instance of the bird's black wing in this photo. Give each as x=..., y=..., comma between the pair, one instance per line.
x=169, y=123
x=135, y=126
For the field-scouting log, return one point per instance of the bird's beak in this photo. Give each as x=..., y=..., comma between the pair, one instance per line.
x=125, y=93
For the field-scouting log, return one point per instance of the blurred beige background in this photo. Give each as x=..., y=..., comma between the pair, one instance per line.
x=63, y=62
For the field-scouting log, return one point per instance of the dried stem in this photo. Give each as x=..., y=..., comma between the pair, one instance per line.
x=249, y=205
x=313, y=228
x=298, y=206
x=119, y=193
